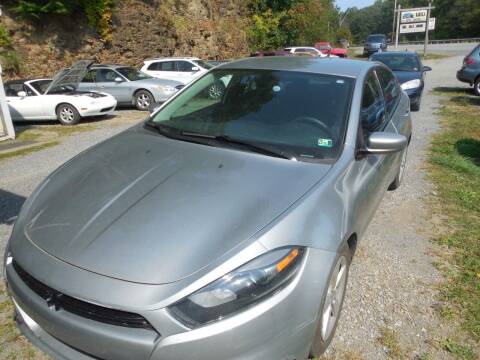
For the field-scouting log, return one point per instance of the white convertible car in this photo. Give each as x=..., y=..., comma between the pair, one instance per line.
x=47, y=99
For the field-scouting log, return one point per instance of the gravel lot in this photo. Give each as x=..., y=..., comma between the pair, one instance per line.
x=393, y=284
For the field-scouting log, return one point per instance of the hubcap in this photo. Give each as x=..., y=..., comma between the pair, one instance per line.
x=334, y=298
x=66, y=114
x=215, y=91
x=143, y=101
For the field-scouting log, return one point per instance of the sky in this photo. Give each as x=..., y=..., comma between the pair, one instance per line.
x=345, y=4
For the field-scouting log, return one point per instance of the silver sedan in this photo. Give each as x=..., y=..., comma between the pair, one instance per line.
x=221, y=228
x=129, y=85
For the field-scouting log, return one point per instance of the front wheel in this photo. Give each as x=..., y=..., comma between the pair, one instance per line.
x=401, y=172
x=67, y=114
x=332, y=304
x=143, y=100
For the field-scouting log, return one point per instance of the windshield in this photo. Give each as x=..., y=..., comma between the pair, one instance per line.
x=133, y=74
x=375, y=38
x=398, y=62
x=204, y=64
x=41, y=85
x=302, y=114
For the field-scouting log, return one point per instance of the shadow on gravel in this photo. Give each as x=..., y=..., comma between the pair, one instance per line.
x=10, y=205
x=470, y=149
x=453, y=89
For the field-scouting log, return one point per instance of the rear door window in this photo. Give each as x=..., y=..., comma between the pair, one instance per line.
x=184, y=66
x=373, y=106
x=167, y=66
x=390, y=88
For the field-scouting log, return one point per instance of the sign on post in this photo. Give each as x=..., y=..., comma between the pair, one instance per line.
x=6, y=125
x=413, y=16
x=417, y=27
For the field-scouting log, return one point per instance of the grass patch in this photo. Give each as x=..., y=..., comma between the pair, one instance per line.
x=388, y=338
x=458, y=350
x=28, y=150
x=455, y=170
x=433, y=56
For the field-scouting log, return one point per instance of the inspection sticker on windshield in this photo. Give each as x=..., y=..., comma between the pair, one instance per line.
x=325, y=142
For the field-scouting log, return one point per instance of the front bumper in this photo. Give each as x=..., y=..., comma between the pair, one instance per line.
x=161, y=95
x=104, y=107
x=278, y=328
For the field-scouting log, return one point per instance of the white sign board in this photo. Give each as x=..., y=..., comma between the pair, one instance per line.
x=412, y=28
x=6, y=125
x=413, y=16
x=417, y=27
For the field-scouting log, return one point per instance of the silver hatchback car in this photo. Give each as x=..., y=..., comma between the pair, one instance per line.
x=220, y=228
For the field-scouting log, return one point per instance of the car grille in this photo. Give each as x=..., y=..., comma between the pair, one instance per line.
x=107, y=109
x=81, y=308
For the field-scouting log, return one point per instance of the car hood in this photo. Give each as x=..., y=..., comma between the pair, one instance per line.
x=144, y=208
x=156, y=81
x=69, y=78
x=404, y=76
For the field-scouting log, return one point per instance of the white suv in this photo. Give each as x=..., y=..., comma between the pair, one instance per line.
x=183, y=70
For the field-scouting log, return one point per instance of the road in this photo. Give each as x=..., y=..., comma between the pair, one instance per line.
x=393, y=283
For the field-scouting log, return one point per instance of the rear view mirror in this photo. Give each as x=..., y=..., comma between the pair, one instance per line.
x=427, y=68
x=385, y=143
x=118, y=79
x=22, y=94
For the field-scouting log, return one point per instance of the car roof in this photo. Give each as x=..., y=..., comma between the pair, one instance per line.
x=331, y=66
x=172, y=58
x=109, y=66
x=386, y=53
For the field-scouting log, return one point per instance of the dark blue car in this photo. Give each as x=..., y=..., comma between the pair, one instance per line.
x=409, y=70
x=470, y=71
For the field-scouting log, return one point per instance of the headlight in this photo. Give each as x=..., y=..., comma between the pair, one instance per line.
x=239, y=289
x=412, y=84
x=167, y=88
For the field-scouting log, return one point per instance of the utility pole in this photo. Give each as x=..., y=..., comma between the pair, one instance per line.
x=426, y=28
x=398, y=25
x=393, y=24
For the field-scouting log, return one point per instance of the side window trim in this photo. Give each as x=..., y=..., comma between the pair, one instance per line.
x=397, y=100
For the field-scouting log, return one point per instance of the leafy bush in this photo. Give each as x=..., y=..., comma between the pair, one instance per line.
x=98, y=12
x=8, y=56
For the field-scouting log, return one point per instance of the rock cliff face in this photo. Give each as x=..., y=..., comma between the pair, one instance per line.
x=210, y=29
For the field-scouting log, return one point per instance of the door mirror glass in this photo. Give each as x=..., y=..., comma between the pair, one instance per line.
x=427, y=68
x=118, y=79
x=195, y=68
x=22, y=94
x=385, y=143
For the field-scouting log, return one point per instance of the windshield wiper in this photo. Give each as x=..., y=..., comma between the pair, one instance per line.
x=248, y=145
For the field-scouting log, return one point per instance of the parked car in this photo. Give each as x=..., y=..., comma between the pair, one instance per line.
x=47, y=99
x=409, y=70
x=305, y=49
x=270, y=53
x=220, y=227
x=326, y=48
x=375, y=43
x=470, y=71
x=128, y=85
x=178, y=69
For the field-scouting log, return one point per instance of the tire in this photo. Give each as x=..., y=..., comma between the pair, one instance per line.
x=325, y=328
x=216, y=90
x=416, y=106
x=67, y=114
x=476, y=86
x=143, y=99
x=401, y=172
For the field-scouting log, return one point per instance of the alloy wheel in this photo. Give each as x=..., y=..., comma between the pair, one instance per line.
x=334, y=298
x=143, y=101
x=67, y=115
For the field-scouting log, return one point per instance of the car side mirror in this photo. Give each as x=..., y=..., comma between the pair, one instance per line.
x=22, y=94
x=195, y=68
x=118, y=79
x=427, y=68
x=385, y=143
